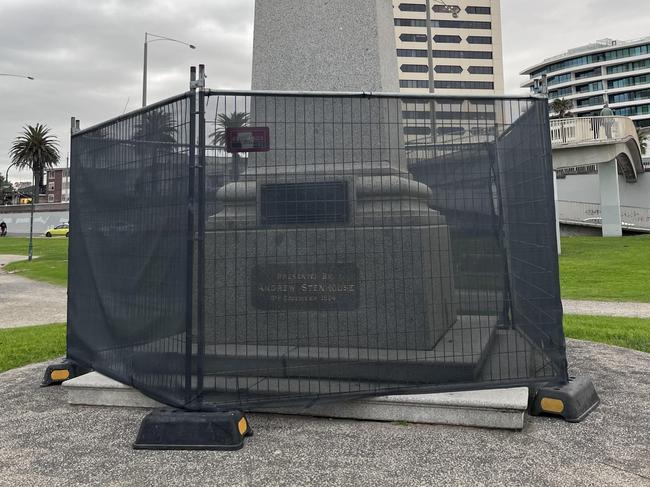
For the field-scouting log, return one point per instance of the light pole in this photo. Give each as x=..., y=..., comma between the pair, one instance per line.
x=454, y=10
x=6, y=181
x=147, y=41
x=31, y=78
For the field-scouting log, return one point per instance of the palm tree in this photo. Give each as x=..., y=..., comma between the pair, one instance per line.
x=154, y=135
x=35, y=149
x=224, y=121
x=643, y=140
x=562, y=107
x=156, y=126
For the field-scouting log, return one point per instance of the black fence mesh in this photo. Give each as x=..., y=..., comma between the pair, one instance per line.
x=343, y=246
x=130, y=265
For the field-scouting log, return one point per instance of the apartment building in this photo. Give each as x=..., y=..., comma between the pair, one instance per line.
x=607, y=71
x=464, y=37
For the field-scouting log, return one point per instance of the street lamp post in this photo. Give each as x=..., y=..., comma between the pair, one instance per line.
x=6, y=181
x=147, y=41
x=454, y=10
x=30, y=248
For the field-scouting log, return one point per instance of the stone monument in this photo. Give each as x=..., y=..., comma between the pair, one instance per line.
x=326, y=241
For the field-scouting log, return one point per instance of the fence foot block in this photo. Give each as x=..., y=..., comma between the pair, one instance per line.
x=572, y=401
x=58, y=373
x=169, y=429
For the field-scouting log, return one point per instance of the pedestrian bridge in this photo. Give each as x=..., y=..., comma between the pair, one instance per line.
x=597, y=140
x=613, y=145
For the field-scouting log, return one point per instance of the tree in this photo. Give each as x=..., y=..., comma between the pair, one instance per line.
x=155, y=135
x=643, y=140
x=6, y=191
x=562, y=107
x=224, y=121
x=35, y=149
x=156, y=126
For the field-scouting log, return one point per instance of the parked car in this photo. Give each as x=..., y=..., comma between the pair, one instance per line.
x=59, y=231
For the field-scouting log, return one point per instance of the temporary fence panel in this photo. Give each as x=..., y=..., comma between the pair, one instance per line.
x=316, y=246
x=366, y=253
x=129, y=296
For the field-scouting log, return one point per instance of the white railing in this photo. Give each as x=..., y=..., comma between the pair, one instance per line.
x=589, y=214
x=591, y=130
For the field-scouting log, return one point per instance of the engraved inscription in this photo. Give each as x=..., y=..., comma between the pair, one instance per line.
x=306, y=287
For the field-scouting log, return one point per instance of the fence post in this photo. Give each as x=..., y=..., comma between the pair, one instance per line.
x=200, y=272
x=191, y=204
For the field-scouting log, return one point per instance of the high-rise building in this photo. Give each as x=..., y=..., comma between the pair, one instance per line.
x=616, y=72
x=454, y=45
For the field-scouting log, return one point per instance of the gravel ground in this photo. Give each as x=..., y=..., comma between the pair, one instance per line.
x=24, y=302
x=601, y=308
x=45, y=442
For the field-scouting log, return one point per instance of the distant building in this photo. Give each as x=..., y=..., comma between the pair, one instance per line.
x=58, y=186
x=466, y=55
x=465, y=59
x=616, y=72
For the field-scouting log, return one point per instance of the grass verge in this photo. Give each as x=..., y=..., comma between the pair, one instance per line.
x=606, y=269
x=631, y=333
x=23, y=346
x=601, y=269
x=50, y=266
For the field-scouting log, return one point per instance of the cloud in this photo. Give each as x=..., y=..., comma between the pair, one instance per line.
x=87, y=57
x=87, y=54
x=534, y=30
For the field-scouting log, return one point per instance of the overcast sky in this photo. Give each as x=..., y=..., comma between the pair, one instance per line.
x=87, y=54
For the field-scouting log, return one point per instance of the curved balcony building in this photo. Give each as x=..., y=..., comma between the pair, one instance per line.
x=607, y=71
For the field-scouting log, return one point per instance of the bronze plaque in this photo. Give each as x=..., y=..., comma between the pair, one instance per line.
x=306, y=287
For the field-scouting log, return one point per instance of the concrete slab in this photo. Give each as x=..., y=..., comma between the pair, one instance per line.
x=95, y=389
x=500, y=409
x=497, y=409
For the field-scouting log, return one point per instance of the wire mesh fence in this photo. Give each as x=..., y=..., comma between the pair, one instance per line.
x=293, y=248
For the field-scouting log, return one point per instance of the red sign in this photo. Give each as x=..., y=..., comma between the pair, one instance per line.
x=248, y=139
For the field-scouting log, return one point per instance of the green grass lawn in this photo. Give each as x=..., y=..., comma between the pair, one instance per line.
x=624, y=332
x=606, y=269
x=23, y=346
x=590, y=268
x=50, y=266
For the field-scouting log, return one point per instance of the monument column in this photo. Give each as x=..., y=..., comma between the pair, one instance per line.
x=327, y=241
x=316, y=45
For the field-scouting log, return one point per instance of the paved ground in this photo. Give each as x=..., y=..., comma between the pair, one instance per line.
x=45, y=442
x=26, y=302
x=599, y=308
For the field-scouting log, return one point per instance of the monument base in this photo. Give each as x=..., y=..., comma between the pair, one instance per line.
x=363, y=287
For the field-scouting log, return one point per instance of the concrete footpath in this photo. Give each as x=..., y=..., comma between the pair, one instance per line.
x=25, y=302
x=604, y=308
x=46, y=442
